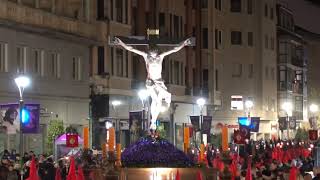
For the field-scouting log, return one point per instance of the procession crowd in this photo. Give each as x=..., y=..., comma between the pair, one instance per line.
x=267, y=160
x=46, y=168
x=254, y=160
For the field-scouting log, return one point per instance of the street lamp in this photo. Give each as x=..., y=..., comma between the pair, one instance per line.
x=248, y=104
x=116, y=103
x=143, y=95
x=313, y=120
x=287, y=107
x=314, y=108
x=201, y=102
x=22, y=82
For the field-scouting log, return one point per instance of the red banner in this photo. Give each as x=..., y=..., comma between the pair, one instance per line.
x=72, y=140
x=238, y=138
x=313, y=135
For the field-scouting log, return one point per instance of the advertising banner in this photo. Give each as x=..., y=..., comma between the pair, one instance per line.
x=10, y=121
x=206, y=126
x=255, y=123
x=283, y=123
x=195, y=121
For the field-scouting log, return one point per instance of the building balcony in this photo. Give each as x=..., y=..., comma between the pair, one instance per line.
x=25, y=15
x=298, y=115
x=297, y=61
x=296, y=88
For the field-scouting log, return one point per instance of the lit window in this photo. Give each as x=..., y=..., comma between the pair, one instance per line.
x=236, y=103
x=55, y=65
x=76, y=68
x=3, y=57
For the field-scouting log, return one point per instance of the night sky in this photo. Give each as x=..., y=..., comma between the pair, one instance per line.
x=306, y=14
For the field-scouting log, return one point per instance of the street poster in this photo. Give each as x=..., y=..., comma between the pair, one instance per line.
x=135, y=122
x=283, y=123
x=292, y=123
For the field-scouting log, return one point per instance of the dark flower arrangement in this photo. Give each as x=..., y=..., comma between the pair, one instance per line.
x=154, y=152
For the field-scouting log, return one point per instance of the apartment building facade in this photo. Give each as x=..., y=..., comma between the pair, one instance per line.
x=244, y=51
x=292, y=66
x=50, y=42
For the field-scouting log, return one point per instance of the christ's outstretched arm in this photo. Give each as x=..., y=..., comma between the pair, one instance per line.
x=176, y=49
x=129, y=48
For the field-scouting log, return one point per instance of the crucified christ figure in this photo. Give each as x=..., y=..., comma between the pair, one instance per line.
x=154, y=83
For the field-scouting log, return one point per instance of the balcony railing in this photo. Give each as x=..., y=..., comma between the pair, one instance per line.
x=297, y=61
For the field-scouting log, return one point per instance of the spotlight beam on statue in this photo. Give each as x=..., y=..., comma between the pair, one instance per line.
x=153, y=59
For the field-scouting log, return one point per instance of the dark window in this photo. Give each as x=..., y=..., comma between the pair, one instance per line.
x=236, y=38
x=111, y=9
x=194, y=76
x=266, y=10
x=119, y=59
x=162, y=20
x=100, y=60
x=205, y=38
x=176, y=26
x=100, y=10
x=216, y=35
x=217, y=80
x=126, y=11
x=205, y=79
x=170, y=25
x=235, y=6
x=204, y=4
x=271, y=13
x=250, y=38
x=181, y=30
x=250, y=73
x=119, y=10
x=266, y=41
x=176, y=73
x=217, y=38
x=112, y=60
x=250, y=6
x=126, y=62
x=148, y=19
x=218, y=5
x=272, y=43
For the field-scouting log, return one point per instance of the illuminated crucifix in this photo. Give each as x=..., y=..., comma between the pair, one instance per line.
x=153, y=59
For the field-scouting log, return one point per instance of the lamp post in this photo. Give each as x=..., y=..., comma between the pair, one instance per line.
x=201, y=102
x=143, y=95
x=249, y=104
x=116, y=103
x=287, y=107
x=314, y=109
x=22, y=82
